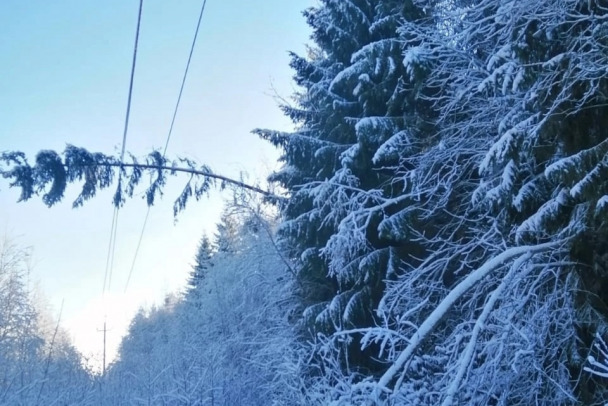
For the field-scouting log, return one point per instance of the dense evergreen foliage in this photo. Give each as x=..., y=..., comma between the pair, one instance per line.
x=352, y=102
x=447, y=209
x=442, y=238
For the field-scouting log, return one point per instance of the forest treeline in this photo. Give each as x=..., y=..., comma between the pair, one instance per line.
x=38, y=364
x=442, y=236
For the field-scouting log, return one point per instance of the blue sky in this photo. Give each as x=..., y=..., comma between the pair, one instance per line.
x=64, y=77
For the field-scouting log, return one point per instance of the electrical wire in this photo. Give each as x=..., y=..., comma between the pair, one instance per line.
x=124, y=135
x=109, y=255
x=112, y=245
x=141, y=237
x=179, y=98
x=181, y=90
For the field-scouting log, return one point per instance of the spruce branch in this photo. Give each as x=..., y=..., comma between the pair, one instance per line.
x=52, y=172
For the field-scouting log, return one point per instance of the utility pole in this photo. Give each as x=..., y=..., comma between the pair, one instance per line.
x=103, y=373
x=104, y=330
x=104, y=347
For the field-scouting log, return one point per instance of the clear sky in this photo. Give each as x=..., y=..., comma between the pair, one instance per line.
x=64, y=72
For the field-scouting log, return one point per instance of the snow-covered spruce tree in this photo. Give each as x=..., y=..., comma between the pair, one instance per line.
x=545, y=177
x=485, y=306
x=360, y=106
x=523, y=100
x=227, y=236
x=203, y=261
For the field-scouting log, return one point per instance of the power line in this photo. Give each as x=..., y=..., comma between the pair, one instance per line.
x=179, y=98
x=113, y=248
x=124, y=135
x=112, y=245
x=112, y=228
x=141, y=236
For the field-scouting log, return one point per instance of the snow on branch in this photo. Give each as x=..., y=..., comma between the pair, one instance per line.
x=429, y=324
x=598, y=367
x=507, y=144
x=574, y=167
x=467, y=356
